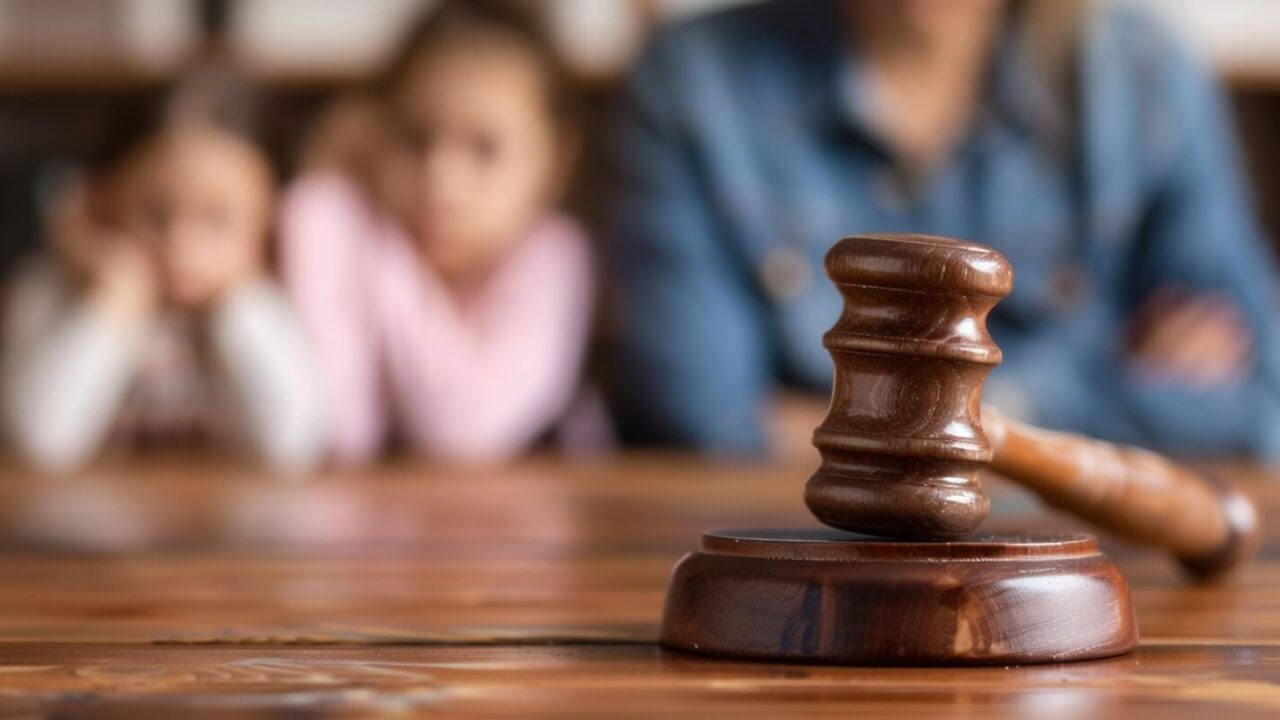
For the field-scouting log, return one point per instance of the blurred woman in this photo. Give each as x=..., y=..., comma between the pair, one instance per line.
x=448, y=296
x=152, y=321
x=1077, y=138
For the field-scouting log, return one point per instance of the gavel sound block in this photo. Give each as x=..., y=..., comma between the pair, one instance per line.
x=898, y=578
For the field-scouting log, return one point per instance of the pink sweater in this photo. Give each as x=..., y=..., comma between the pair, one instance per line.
x=474, y=379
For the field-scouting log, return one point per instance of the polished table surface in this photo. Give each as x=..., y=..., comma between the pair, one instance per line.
x=170, y=587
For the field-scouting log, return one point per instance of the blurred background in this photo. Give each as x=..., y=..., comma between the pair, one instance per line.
x=67, y=67
x=72, y=69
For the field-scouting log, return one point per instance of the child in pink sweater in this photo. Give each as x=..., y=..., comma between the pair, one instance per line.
x=447, y=299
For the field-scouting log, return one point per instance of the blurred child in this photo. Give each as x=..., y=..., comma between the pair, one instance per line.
x=448, y=298
x=152, y=321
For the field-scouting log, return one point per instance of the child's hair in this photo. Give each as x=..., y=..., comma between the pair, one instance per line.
x=452, y=22
x=208, y=94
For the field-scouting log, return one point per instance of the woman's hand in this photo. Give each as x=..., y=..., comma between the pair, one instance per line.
x=1197, y=339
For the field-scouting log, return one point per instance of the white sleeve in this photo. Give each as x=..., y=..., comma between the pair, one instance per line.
x=265, y=366
x=67, y=369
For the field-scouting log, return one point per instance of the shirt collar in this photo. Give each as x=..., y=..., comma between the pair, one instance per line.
x=1017, y=97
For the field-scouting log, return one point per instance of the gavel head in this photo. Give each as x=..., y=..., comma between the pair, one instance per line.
x=902, y=443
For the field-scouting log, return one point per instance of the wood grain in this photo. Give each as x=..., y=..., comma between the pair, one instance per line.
x=1169, y=681
x=902, y=445
x=1144, y=497
x=831, y=597
x=175, y=586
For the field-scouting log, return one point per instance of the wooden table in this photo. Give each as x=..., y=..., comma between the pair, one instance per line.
x=171, y=587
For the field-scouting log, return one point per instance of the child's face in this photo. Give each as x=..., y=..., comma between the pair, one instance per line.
x=473, y=156
x=197, y=199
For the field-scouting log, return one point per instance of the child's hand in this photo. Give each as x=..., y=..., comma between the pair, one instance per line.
x=117, y=271
x=125, y=282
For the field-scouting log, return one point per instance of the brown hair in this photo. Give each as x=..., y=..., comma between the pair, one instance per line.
x=211, y=92
x=455, y=21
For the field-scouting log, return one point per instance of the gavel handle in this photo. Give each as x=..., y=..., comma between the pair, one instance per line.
x=1209, y=526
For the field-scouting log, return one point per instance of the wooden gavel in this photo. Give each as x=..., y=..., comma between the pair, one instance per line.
x=906, y=435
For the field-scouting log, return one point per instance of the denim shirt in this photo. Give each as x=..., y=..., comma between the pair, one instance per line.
x=742, y=153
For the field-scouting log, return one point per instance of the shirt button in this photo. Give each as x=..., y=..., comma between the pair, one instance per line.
x=785, y=273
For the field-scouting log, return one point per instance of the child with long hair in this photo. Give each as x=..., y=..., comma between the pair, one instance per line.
x=151, y=321
x=448, y=296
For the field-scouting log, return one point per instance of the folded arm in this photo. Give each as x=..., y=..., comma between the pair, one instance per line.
x=265, y=367
x=693, y=354
x=69, y=363
x=325, y=240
